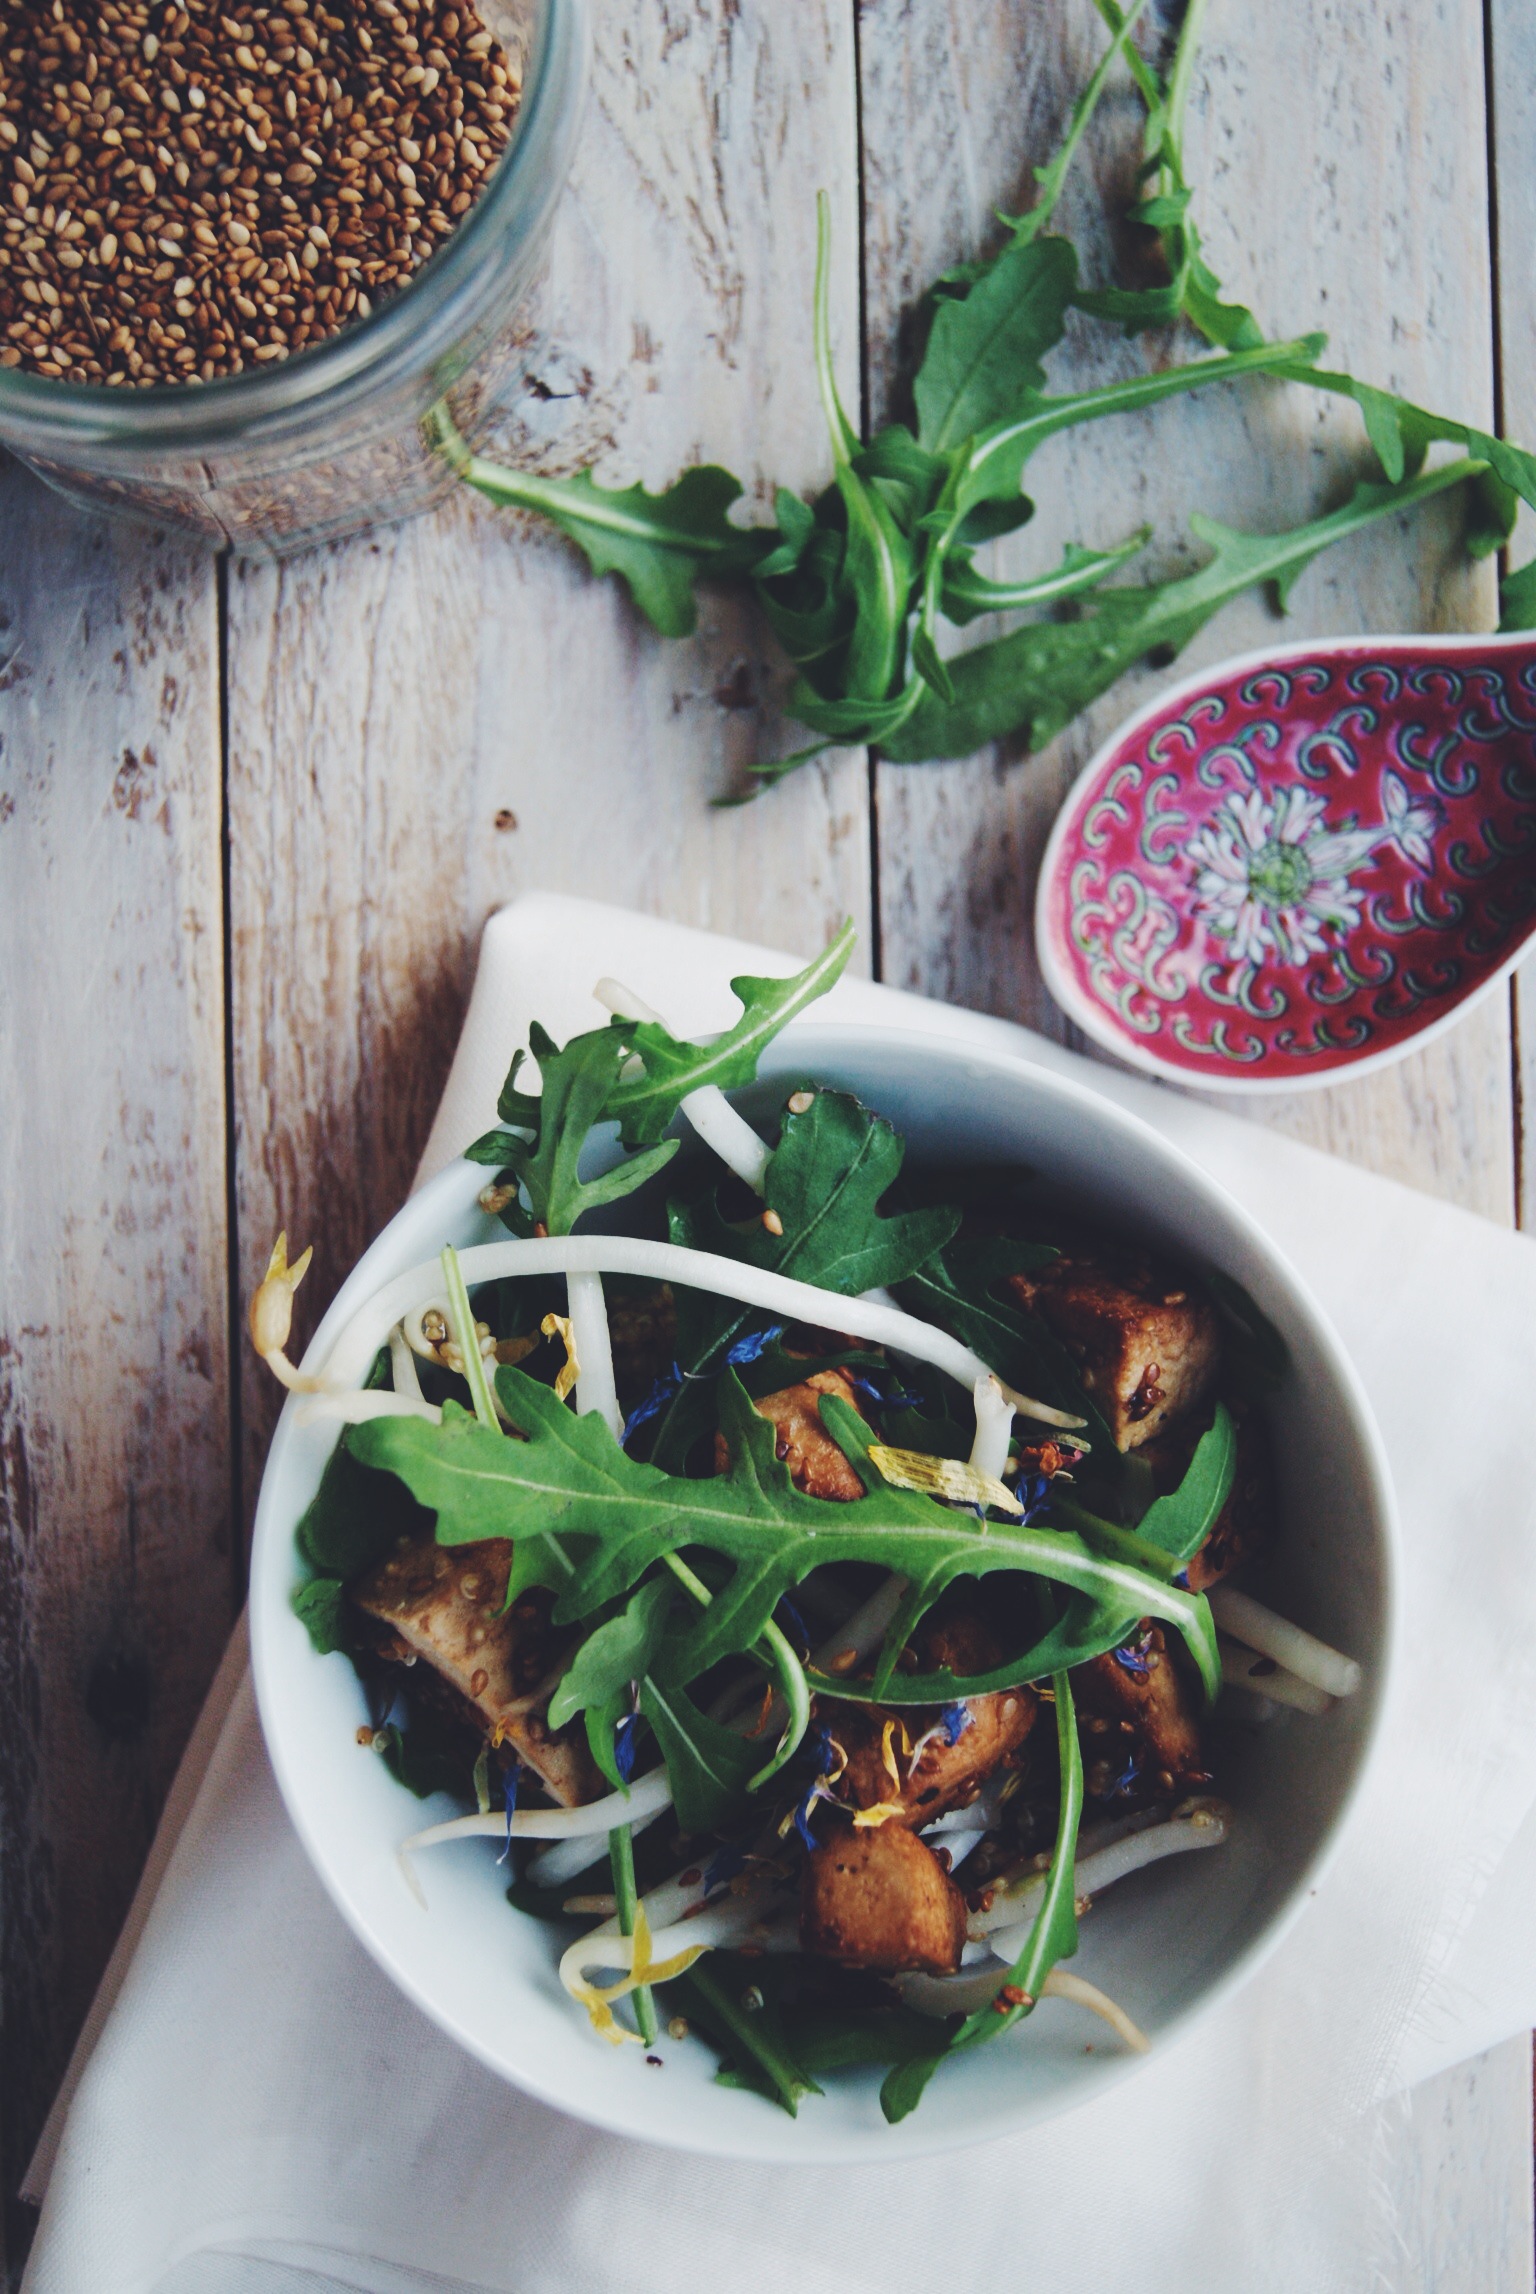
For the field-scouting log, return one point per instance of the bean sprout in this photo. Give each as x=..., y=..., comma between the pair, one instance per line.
x=1245, y=1669
x=353, y=1351
x=1300, y=1652
x=646, y=1797
x=1005, y=1921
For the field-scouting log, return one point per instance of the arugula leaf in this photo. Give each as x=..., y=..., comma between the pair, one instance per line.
x=825, y=1179
x=758, y=2034
x=354, y=1518
x=1517, y=598
x=644, y=1106
x=319, y=1604
x=957, y=1288
x=1051, y=177
x=615, y=1655
x=967, y=594
x=577, y=1080
x=660, y=543
x=708, y=1766
x=877, y=561
x=1182, y=1521
x=985, y=348
x=991, y=464
x=589, y=1521
x=1038, y=678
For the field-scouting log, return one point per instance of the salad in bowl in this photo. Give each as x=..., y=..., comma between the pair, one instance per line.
x=806, y=1564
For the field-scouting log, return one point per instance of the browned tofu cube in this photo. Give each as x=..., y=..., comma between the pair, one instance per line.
x=1138, y=1721
x=1246, y=1523
x=816, y=1464
x=879, y=1899
x=443, y=1605
x=1147, y=1345
x=936, y=1774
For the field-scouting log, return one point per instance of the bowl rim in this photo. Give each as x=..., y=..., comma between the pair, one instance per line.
x=1087, y=1013
x=607, y=2106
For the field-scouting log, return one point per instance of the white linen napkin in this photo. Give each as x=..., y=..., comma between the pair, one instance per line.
x=255, y=2110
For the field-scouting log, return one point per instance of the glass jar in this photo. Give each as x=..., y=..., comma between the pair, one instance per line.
x=335, y=438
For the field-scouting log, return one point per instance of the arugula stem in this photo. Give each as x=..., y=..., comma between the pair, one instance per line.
x=461, y=1314
x=968, y=594
x=1142, y=72
x=1052, y=1935
x=1046, y=415
x=1179, y=78
x=621, y=1858
x=844, y=438
x=786, y=1667
x=751, y=2033
x=1052, y=177
x=551, y=498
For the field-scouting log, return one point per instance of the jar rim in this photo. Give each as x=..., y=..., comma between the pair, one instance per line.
x=38, y=409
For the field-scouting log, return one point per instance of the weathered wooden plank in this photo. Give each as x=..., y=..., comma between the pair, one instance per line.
x=1464, y=2208
x=116, y=1570
x=1512, y=85
x=1325, y=149
x=426, y=722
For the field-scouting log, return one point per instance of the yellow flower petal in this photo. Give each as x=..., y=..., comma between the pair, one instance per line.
x=559, y=1326
x=950, y=1478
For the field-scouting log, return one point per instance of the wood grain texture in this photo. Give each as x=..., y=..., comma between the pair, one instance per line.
x=1512, y=83
x=1327, y=147
x=424, y=723
x=1464, y=2204
x=116, y=1575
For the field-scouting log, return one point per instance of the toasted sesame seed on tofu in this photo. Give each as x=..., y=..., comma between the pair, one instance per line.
x=881, y=1900
x=816, y=1464
x=1138, y=1718
x=1148, y=1346
x=445, y=1604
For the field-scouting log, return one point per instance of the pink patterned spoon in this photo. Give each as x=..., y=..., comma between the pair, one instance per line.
x=1299, y=862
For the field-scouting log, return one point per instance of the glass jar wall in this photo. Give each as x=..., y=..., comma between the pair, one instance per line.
x=337, y=437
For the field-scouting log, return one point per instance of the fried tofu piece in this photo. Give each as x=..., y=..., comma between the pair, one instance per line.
x=1147, y=1345
x=879, y=1899
x=443, y=1605
x=816, y=1464
x=943, y=1775
x=1138, y=1717
x=1246, y=1523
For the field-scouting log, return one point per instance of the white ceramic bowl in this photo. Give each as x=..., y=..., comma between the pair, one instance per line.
x=1168, y=1943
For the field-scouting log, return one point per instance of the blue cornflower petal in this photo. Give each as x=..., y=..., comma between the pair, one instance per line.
x=725, y=1866
x=1034, y=1495
x=749, y=1348
x=1131, y=1661
x=509, y=1785
x=797, y=1622
x=624, y=1746
x=660, y=1394
x=955, y=1720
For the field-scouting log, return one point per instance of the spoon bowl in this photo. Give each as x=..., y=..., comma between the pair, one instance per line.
x=1299, y=862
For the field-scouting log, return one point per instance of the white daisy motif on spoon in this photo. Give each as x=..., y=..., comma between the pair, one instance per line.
x=1273, y=878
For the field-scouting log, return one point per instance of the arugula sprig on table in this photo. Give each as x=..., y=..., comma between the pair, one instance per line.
x=856, y=583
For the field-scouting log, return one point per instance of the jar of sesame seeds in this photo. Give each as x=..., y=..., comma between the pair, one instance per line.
x=247, y=249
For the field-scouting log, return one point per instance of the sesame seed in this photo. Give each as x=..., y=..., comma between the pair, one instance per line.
x=185, y=201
